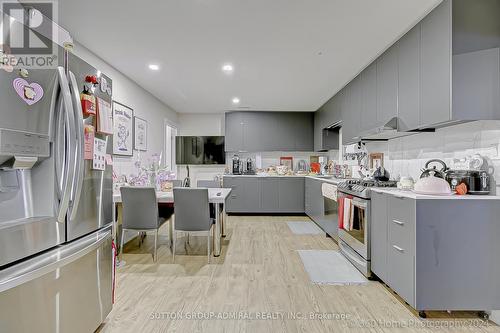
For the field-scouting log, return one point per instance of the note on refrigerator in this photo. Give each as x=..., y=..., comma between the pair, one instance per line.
x=104, y=117
x=99, y=161
x=89, y=134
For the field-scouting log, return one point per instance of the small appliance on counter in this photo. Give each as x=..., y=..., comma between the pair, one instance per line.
x=236, y=165
x=323, y=162
x=477, y=182
x=249, y=167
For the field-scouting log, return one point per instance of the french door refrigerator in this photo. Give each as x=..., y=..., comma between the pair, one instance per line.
x=55, y=209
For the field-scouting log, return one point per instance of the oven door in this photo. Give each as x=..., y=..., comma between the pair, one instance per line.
x=355, y=229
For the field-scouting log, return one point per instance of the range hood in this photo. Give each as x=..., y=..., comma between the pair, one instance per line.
x=383, y=133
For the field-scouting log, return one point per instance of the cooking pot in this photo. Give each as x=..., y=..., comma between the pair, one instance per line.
x=441, y=173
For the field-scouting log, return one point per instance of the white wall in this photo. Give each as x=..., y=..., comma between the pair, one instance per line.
x=407, y=155
x=144, y=104
x=210, y=124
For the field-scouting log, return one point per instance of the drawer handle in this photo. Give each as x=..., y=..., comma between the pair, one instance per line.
x=398, y=222
x=398, y=248
x=399, y=197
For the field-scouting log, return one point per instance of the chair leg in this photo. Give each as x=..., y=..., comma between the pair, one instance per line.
x=140, y=238
x=174, y=238
x=208, y=242
x=155, y=256
x=121, y=243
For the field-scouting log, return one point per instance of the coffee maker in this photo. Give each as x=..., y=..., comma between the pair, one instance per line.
x=249, y=169
x=236, y=165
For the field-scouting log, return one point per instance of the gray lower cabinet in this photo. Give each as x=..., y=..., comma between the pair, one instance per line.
x=270, y=195
x=437, y=254
x=392, y=243
x=249, y=131
x=245, y=194
x=378, y=239
x=401, y=247
x=265, y=194
x=315, y=207
x=291, y=195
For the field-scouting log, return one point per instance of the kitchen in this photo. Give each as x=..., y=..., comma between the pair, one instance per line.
x=354, y=188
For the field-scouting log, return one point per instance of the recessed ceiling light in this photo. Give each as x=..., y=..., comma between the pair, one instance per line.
x=236, y=100
x=154, y=67
x=227, y=68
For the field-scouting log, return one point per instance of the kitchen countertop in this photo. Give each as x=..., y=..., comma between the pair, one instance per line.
x=412, y=195
x=326, y=179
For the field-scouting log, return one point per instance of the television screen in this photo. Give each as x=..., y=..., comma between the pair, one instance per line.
x=200, y=150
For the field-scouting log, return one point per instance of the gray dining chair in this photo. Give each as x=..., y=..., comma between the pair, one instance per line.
x=140, y=212
x=177, y=183
x=208, y=183
x=192, y=214
x=213, y=210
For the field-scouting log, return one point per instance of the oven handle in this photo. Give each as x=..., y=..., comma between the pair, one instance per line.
x=360, y=202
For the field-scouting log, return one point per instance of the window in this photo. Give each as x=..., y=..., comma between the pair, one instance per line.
x=170, y=134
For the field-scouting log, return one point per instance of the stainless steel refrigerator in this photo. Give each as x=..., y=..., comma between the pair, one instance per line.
x=55, y=209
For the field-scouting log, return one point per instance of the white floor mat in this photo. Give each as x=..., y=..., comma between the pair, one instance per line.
x=330, y=267
x=305, y=228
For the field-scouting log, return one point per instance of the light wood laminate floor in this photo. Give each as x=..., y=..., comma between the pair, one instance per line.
x=258, y=274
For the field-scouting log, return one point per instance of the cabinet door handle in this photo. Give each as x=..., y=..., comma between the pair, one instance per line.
x=398, y=222
x=398, y=248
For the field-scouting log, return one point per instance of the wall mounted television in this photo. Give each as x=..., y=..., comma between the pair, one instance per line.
x=197, y=150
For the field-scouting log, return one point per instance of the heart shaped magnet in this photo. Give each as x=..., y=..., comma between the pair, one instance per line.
x=29, y=92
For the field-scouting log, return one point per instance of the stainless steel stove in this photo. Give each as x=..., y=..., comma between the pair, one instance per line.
x=361, y=188
x=355, y=220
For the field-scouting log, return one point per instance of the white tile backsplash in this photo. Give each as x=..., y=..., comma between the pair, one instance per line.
x=407, y=155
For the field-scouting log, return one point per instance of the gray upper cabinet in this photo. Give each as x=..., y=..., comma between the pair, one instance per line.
x=234, y=131
x=303, y=122
x=369, y=98
x=445, y=70
x=409, y=80
x=387, y=86
x=251, y=132
x=435, y=66
x=269, y=131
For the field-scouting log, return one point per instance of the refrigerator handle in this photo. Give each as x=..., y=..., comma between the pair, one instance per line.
x=80, y=147
x=70, y=156
x=51, y=261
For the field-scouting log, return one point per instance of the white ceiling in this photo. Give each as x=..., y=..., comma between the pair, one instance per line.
x=288, y=55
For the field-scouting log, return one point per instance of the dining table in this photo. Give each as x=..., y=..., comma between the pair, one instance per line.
x=216, y=196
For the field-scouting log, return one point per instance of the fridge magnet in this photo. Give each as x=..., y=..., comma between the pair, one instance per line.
x=122, y=129
x=99, y=156
x=7, y=60
x=140, y=134
x=104, y=84
x=88, y=104
x=30, y=93
x=104, y=117
x=109, y=159
x=89, y=135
